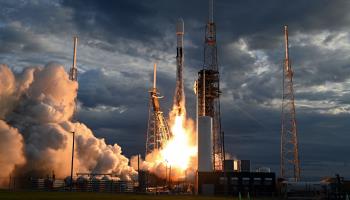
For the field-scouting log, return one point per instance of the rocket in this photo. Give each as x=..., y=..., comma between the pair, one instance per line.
x=179, y=98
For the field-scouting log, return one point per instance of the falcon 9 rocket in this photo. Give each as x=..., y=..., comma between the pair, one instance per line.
x=179, y=98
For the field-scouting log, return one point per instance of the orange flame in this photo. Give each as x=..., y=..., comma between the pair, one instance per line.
x=177, y=159
x=179, y=150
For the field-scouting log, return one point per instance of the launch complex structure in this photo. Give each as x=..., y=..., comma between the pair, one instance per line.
x=211, y=148
x=210, y=137
x=208, y=95
x=208, y=91
x=158, y=130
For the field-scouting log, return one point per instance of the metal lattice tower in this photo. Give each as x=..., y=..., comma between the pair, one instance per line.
x=158, y=131
x=209, y=90
x=290, y=164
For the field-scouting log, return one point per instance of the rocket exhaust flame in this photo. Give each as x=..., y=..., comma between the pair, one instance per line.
x=180, y=151
x=176, y=150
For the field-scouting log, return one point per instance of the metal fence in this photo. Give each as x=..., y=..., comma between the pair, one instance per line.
x=79, y=185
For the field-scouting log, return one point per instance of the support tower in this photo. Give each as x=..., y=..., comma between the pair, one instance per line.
x=290, y=164
x=158, y=131
x=208, y=87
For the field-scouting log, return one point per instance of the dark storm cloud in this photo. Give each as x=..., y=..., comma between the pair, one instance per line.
x=250, y=41
x=14, y=39
x=103, y=90
x=107, y=19
x=43, y=16
x=263, y=21
x=130, y=90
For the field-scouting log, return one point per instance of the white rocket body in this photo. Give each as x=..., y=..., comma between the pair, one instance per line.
x=179, y=98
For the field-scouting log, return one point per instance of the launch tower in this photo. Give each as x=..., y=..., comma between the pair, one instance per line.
x=158, y=131
x=208, y=91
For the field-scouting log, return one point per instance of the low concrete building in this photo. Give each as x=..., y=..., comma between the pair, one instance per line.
x=233, y=183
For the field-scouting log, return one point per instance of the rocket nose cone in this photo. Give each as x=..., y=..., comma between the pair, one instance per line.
x=180, y=26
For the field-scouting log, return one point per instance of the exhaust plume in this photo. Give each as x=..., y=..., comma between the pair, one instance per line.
x=11, y=150
x=36, y=132
x=11, y=141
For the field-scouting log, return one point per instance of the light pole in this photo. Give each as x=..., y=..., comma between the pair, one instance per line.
x=72, y=164
x=166, y=172
x=169, y=176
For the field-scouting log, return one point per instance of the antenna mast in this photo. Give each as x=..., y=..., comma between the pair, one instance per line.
x=290, y=163
x=73, y=73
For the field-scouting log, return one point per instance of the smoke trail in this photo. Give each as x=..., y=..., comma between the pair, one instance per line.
x=35, y=107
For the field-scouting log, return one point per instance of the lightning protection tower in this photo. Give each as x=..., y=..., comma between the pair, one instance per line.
x=73, y=72
x=158, y=131
x=208, y=86
x=290, y=164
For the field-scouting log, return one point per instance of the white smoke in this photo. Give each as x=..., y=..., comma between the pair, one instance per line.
x=11, y=141
x=7, y=90
x=35, y=108
x=11, y=150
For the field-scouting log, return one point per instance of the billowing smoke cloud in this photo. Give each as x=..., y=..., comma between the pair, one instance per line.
x=7, y=90
x=35, y=108
x=11, y=150
x=11, y=141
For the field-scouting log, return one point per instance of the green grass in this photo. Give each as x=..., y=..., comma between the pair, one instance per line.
x=29, y=195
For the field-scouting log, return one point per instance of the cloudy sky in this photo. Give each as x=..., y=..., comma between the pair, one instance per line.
x=119, y=40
